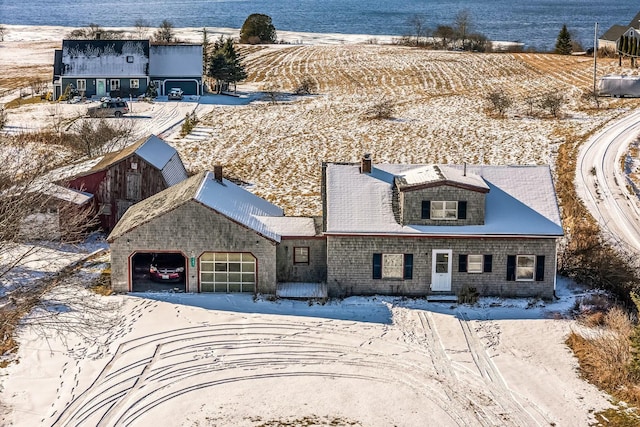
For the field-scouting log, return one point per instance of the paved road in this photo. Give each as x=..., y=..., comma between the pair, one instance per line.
x=604, y=192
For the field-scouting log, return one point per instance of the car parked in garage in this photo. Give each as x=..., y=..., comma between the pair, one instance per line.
x=175, y=93
x=166, y=268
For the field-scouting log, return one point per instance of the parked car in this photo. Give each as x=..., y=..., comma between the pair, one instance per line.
x=109, y=109
x=166, y=268
x=175, y=93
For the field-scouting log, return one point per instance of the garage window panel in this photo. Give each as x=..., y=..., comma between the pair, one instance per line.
x=227, y=272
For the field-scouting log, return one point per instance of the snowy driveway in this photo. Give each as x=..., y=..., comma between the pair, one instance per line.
x=601, y=183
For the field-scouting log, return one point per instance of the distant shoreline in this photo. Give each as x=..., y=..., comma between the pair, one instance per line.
x=33, y=33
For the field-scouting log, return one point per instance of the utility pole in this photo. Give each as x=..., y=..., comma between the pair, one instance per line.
x=595, y=60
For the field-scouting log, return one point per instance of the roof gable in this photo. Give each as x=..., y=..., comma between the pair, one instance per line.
x=225, y=198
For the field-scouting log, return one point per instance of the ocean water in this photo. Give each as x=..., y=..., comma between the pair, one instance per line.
x=533, y=22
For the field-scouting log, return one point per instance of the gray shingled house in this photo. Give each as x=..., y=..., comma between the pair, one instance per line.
x=386, y=229
x=424, y=229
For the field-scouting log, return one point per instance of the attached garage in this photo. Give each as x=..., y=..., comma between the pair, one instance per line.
x=227, y=272
x=217, y=230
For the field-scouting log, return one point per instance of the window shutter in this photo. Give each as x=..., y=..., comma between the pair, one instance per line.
x=462, y=210
x=426, y=209
x=539, y=268
x=377, y=266
x=511, y=268
x=488, y=264
x=462, y=263
x=408, y=266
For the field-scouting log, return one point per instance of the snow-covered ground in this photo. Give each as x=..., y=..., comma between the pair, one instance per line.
x=194, y=360
x=229, y=360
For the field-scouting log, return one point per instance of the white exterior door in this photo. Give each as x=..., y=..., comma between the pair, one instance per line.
x=441, y=270
x=101, y=87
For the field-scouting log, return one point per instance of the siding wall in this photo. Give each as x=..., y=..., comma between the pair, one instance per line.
x=315, y=271
x=193, y=229
x=349, y=265
x=411, y=205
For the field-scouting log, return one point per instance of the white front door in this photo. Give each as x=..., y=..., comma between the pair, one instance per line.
x=441, y=270
x=101, y=87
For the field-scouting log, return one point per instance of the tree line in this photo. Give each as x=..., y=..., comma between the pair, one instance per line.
x=457, y=35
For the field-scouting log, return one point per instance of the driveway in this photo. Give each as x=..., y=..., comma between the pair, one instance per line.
x=602, y=185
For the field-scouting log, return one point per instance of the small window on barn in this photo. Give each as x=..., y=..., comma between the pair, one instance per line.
x=134, y=83
x=301, y=255
x=129, y=59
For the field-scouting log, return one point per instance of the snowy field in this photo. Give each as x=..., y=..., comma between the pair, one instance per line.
x=206, y=360
x=227, y=360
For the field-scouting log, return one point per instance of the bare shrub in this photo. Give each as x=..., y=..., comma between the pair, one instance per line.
x=94, y=137
x=3, y=117
x=382, y=110
x=552, y=102
x=307, y=86
x=500, y=101
x=591, y=96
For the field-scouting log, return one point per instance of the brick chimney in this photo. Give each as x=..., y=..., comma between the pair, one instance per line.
x=365, y=164
x=217, y=173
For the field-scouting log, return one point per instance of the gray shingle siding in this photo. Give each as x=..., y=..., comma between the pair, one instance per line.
x=193, y=229
x=349, y=265
x=315, y=271
x=411, y=205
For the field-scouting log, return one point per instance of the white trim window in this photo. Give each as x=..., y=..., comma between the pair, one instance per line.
x=474, y=263
x=81, y=85
x=114, y=84
x=392, y=266
x=525, y=268
x=134, y=83
x=444, y=210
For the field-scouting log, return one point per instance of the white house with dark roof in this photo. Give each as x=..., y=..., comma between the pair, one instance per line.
x=386, y=229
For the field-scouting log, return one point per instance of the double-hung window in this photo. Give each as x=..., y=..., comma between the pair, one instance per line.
x=81, y=85
x=443, y=209
x=525, y=268
x=393, y=266
x=134, y=83
x=114, y=84
x=475, y=263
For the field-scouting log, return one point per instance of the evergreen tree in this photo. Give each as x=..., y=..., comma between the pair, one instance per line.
x=563, y=42
x=225, y=64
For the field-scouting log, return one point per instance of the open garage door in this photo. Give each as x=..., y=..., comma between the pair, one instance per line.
x=227, y=272
x=158, y=272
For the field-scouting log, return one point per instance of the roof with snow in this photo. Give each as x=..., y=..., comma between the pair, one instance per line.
x=520, y=201
x=152, y=150
x=434, y=175
x=107, y=58
x=226, y=198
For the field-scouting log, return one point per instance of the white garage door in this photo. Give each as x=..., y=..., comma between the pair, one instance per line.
x=227, y=272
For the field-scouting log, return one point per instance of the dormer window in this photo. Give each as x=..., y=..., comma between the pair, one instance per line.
x=444, y=210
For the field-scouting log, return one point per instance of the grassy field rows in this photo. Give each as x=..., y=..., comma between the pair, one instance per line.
x=440, y=114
